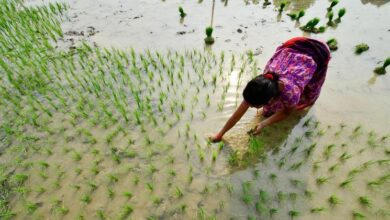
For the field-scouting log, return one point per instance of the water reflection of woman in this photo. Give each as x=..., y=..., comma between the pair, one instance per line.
x=292, y=80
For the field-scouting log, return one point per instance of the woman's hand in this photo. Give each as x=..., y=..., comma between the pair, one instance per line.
x=258, y=129
x=215, y=138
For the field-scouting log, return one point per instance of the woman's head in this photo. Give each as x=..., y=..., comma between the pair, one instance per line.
x=261, y=89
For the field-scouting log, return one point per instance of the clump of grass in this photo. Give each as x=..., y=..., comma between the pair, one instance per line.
x=381, y=70
x=360, y=48
x=181, y=12
x=332, y=44
x=209, y=38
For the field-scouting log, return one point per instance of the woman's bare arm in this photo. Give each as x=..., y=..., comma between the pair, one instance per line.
x=278, y=116
x=240, y=111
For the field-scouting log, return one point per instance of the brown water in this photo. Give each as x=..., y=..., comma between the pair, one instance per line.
x=351, y=95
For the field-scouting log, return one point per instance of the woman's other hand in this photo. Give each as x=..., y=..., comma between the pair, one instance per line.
x=215, y=138
x=258, y=129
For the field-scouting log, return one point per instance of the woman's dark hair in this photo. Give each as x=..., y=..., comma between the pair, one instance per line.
x=261, y=89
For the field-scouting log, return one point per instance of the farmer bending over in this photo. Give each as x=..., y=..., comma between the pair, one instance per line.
x=292, y=80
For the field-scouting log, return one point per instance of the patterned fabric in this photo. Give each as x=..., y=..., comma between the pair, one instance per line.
x=301, y=79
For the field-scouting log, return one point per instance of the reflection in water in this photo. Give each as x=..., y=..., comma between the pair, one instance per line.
x=296, y=5
x=272, y=136
x=225, y=1
x=375, y=2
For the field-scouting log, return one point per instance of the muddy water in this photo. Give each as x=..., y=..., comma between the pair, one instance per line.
x=351, y=95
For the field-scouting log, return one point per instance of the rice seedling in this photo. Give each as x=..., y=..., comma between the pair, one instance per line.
x=311, y=26
x=209, y=38
x=328, y=151
x=100, y=214
x=334, y=200
x=19, y=179
x=40, y=190
x=78, y=171
x=178, y=192
x=182, y=13
x=76, y=156
x=355, y=171
x=263, y=196
x=360, y=48
x=86, y=199
x=22, y=191
x=76, y=186
x=322, y=180
x=330, y=18
x=31, y=206
x=340, y=14
x=266, y=3
x=126, y=211
x=317, y=209
x=346, y=182
x=358, y=215
x=282, y=6
x=365, y=201
x=43, y=164
x=214, y=156
x=332, y=4
x=308, y=194
x=157, y=200
x=332, y=43
x=381, y=70
x=150, y=186
x=92, y=185
x=272, y=177
x=110, y=192
x=345, y=156
x=43, y=175
x=334, y=167
x=293, y=213
x=260, y=208
x=296, y=166
x=128, y=194
x=233, y=158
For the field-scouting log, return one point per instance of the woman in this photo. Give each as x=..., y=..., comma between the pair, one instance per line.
x=292, y=80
